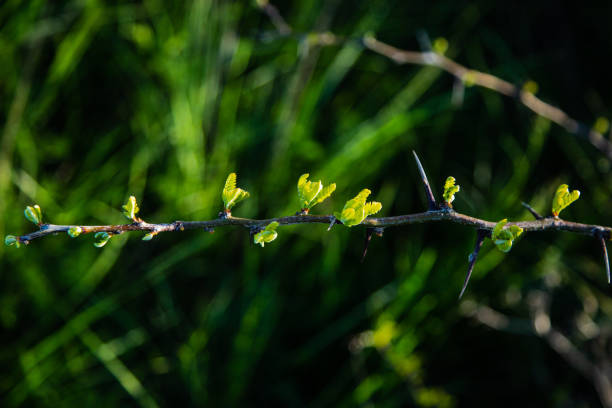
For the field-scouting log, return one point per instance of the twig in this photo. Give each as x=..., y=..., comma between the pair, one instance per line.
x=431, y=200
x=480, y=236
x=275, y=17
x=465, y=75
x=545, y=224
x=532, y=211
x=540, y=325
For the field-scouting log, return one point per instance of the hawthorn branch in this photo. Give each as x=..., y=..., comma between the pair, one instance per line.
x=545, y=224
x=463, y=74
x=373, y=225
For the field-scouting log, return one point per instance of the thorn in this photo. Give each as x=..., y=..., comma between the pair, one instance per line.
x=334, y=220
x=424, y=41
x=605, y=253
x=458, y=93
x=533, y=212
x=481, y=235
x=253, y=229
x=368, y=238
x=431, y=201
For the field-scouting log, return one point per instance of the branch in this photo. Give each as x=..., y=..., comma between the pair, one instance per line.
x=545, y=224
x=462, y=73
x=263, y=231
x=540, y=325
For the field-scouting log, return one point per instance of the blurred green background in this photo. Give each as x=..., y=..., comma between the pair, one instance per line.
x=101, y=100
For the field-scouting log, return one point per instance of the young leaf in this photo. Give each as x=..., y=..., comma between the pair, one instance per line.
x=563, y=198
x=75, y=231
x=449, y=190
x=311, y=193
x=33, y=214
x=130, y=209
x=12, y=240
x=356, y=209
x=324, y=194
x=232, y=195
x=504, y=238
x=372, y=208
x=149, y=236
x=101, y=239
x=268, y=234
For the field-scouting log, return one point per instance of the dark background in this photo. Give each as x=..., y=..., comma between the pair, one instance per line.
x=102, y=100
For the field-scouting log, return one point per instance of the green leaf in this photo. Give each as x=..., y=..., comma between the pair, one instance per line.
x=504, y=238
x=372, y=208
x=268, y=234
x=33, y=214
x=324, y=194
x=563, y=198
x=232, y=195
x=101, y=239
x=130, y=209
x=75, y=231
x=10, y=240
x=449, y=190
x=356, y=209
x=149, y=236
x=311, y=193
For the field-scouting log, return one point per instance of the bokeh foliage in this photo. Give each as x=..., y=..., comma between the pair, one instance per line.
x=161, y=100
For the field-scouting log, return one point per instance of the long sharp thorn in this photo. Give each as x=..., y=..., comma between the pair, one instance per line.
x=605, y=253
x=533, y=212
x=368, y=238
x=479, y=240
x=431, y=201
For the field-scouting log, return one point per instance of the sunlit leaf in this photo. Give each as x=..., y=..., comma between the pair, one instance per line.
x=75, y=231
x=232, y=195
x=563, y=198
x=449, y=190
x=372, y=208
x=356, y=209
x=311, y=193
x=10, y=240
x=502, y=237
x=324, y=194
x=130, y=209
x=33, y=214
x=101, y=239
x=149, y=236
x=268, y=234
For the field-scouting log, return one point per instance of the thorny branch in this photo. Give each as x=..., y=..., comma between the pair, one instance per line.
x=462, y=74
x=373, y=225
